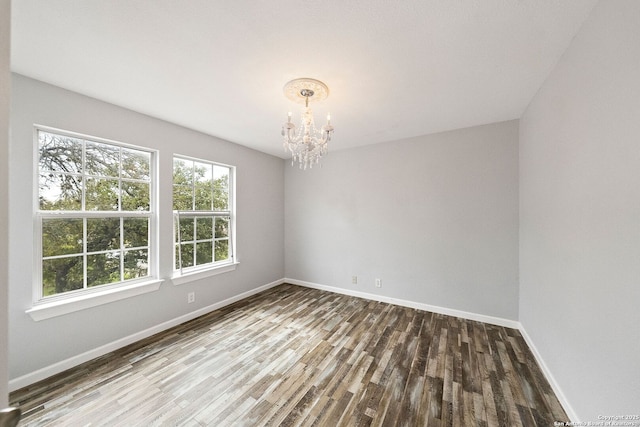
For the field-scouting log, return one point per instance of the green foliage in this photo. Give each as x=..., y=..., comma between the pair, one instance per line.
x=222, y=250
x=136, y=264
x=204, y=228
x=136, y=232
x=60, y=192
x=61, y=236
x=103, y=268
x=222, y=227
x=182, y=198
x=221, y=193
x=135, y=164
x=135, y=196
x=61, y=275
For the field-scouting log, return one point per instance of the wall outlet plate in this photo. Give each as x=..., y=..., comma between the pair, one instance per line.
x=378, y=283
x=191, y=297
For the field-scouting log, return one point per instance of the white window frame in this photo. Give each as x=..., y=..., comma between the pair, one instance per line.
x=184, y=275
x=55, y=305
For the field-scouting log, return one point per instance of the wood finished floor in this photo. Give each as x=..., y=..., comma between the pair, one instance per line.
x=295, y=356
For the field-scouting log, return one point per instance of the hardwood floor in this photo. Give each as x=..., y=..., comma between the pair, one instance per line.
x=295, y=356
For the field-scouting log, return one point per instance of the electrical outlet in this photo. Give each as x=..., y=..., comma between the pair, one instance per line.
x=378, y=283
x=191, y=297
x=354, y=280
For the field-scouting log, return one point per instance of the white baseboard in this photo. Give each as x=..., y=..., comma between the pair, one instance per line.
x=63, y=365
x=573, y=417
x=411, y=304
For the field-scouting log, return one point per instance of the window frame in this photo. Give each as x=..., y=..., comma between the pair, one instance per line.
x=186, y=274
x=57, y=304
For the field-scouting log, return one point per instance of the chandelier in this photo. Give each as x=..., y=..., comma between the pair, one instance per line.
x=306, y=144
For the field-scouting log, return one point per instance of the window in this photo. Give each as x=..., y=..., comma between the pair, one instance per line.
x=203, y=214
x=94, y=214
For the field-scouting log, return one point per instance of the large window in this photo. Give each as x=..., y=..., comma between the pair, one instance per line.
x=203, y=214
x=94, y=214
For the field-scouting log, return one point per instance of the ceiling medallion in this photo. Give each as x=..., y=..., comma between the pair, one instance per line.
x=307, y=144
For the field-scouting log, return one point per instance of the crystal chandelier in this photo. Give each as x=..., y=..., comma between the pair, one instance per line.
x=306, y=144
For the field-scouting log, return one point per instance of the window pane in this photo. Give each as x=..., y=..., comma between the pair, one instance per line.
x=182, y=198
x=222, y=250
x=103, y=234
x=204, y=253
x=61, y=275
x=221, y=188
x=186, y=229
x=101, y=194
x=102, y=159
x=136, y=164
x=204, y=228
x=61, y=236
x=59, y=153
x=187, y=255
x=182, y=172
x=136, y=264
x=222, y=226
x=103, y=268
x=135, y=196
x=60, y=192
x=136, y=232
x=204, y=196
x=203, y=174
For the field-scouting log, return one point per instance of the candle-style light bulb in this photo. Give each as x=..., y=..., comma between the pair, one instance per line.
x=289, y=117
x=329, y=118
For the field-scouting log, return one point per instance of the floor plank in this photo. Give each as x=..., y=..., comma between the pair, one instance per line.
x=293, y=356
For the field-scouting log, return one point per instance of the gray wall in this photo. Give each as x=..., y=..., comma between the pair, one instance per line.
x=580, y=215
x=260, y=226
x=435, y=217
x=5, y=85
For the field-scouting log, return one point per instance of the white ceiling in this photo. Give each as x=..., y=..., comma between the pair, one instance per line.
x=395, y=69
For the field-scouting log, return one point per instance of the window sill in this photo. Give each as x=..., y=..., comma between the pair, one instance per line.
x=180, y=279
x=47, y=310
